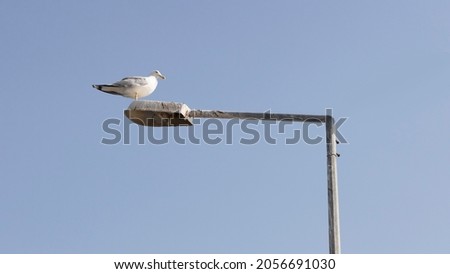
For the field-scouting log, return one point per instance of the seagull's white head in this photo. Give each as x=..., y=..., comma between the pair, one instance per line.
x=158, y=74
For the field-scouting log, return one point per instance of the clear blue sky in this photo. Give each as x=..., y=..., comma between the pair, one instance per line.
x=383, y=64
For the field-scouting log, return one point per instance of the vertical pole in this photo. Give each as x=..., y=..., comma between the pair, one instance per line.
x=333, y=199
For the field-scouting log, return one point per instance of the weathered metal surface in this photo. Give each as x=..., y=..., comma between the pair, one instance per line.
x=158, y=114
x=257, y=116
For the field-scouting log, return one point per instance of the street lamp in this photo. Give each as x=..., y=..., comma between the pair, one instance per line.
x=158, y=114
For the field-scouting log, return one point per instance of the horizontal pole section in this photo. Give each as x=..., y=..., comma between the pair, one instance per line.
x=257, y=116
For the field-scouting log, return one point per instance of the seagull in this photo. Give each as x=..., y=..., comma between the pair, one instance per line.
x=133, y=87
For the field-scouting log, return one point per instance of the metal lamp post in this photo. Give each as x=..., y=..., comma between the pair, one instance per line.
x=156, y=113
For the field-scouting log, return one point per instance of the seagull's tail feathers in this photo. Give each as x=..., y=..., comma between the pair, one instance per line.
x=111, y=89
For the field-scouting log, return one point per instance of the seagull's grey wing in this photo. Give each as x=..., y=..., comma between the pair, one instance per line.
x=131, y=81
